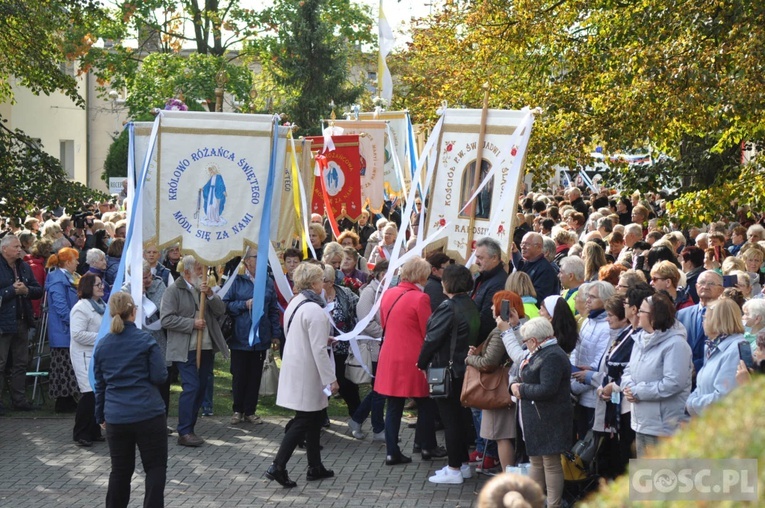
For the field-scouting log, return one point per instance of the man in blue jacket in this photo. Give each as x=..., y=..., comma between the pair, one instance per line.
x=246, y=360
x=532, y=261
x=709, y=287
x=17, y=287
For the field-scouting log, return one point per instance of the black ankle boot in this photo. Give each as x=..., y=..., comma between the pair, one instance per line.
x=318, y=473
x=280, y=476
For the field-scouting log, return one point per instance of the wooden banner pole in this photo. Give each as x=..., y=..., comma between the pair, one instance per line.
x=478, y=164
x=200, y=333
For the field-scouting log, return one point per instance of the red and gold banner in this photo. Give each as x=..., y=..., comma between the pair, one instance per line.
x=341, y=178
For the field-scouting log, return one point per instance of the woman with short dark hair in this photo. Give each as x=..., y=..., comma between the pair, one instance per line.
x=85, y=321
x=455, y=320
x=657, y=380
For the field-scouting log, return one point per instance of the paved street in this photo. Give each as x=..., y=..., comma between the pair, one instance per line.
x=41, y=467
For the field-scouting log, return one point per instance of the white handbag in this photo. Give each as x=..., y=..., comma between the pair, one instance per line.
x=269, y=381
x=354, y=371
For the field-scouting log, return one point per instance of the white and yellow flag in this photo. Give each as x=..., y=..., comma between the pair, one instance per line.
x=386, y=41
x=397, y=168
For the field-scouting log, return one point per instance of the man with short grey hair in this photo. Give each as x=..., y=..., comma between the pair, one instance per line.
x=702, y=241
x=180, y=318
x=709, y=287
x=491, y=278
x=755, y=233
x=532, y=261
x=633, y=233
x=17, y=287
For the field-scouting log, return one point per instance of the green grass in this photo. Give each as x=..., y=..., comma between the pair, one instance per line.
x=222, y=399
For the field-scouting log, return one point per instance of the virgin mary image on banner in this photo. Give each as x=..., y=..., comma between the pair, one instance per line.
x=214, y=198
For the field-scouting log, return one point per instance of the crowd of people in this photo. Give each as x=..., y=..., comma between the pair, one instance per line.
x=619, y=327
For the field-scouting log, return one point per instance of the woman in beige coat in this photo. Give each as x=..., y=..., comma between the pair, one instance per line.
x=307, y=375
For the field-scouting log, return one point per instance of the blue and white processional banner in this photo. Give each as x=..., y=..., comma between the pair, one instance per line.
x=212, y=174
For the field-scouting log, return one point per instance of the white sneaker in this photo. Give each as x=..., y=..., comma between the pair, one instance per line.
x=355, y=429
x=466, y=470
x=379, y=436
x=447, y=476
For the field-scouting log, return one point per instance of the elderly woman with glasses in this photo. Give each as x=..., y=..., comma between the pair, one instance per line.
x=724, y=329
x=594, y=337
x=544, y=405
x=657, y=380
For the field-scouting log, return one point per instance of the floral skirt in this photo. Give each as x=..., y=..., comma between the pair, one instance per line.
x=63, y=382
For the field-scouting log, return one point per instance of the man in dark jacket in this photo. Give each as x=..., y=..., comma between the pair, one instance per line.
x=433, y=288
x=17, y=287
x=532, y=261
x=575, y=195
x=491, y=278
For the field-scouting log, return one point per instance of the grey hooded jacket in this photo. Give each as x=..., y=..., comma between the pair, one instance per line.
x=659, y=375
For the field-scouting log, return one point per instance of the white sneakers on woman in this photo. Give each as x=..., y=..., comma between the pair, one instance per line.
x=450, y=476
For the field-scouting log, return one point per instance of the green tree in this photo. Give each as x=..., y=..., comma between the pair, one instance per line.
x=32, y=178
x=166, y=75
x=115, y=165
x=657, y=74
x=35, y=38
x=307, y=55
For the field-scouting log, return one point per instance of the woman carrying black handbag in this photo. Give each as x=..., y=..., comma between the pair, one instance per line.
x=451, y=329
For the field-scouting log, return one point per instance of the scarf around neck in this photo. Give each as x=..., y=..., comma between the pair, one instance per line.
x=311, y=296
x=98, y=305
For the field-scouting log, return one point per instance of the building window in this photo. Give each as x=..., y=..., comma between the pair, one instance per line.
x=66, y=156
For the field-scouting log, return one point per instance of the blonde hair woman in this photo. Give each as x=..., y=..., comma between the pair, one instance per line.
x=306, y=370
x=129, y=368
x=594, y=258
x=317, y=235
x=520, y=284
x=724, y=327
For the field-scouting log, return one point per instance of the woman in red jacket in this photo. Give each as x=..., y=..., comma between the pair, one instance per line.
x=404, y=313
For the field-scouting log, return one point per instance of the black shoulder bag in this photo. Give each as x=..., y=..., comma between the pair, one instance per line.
x=440, y=378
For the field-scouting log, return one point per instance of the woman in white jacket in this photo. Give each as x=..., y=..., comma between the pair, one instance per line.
x=85, y=320
x=306, y=373
x=594, y=337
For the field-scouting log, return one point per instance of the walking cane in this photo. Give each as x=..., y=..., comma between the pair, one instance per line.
x=202, y=305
